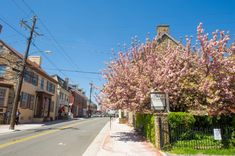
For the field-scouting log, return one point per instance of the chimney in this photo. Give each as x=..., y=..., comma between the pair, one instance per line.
x=36, y=59
x=163, y=29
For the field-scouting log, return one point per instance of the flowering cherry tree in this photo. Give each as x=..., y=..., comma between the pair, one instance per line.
x=200, y=78
x=217, y=71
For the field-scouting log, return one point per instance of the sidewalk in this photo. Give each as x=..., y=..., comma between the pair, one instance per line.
x=4, y=129
x=121, y=140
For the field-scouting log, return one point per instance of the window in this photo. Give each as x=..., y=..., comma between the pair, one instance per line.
x=2, y=70
x=30, y=101
x=42, y=84
x=23, y=101
x=52, y=106
x=35, y=80
x=27, y=76
x=27, y=101
x=2, y=96
x=50, y=87
x=31, y=77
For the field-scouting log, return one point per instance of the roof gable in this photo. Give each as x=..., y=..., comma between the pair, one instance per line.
x=33, y=65
x=160, y=38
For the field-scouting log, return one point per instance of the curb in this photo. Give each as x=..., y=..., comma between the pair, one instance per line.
x=98, y=142
x=162, y=153
x=43, y=124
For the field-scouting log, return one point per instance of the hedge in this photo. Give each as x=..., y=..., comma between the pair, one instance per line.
x=145, y=124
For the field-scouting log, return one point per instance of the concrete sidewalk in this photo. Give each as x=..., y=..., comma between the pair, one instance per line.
x=4, y=129
x=121, y=140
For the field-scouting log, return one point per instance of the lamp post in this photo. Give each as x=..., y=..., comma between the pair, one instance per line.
x=89, y=105
x=43, y=51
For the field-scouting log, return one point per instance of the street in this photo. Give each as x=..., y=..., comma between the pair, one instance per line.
x=69, y=138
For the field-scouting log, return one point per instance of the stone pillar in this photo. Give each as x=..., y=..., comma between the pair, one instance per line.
x=131, y=118
x=161, y=130
x=119, y=113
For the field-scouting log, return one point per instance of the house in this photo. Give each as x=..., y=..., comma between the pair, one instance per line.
x=38, y=93
x=62, y=105
x=162, y=41
x=163, y=38
x=78, y=101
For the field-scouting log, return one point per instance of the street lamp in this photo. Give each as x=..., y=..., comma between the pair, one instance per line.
x=89, y=105
x=42, y=51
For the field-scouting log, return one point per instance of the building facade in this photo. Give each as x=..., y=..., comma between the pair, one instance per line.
x=63, y=94
x=78, y=101
x=38, y=93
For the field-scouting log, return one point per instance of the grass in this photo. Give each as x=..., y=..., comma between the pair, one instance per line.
x=199, y=144
x=203, y=146
x=208, y=151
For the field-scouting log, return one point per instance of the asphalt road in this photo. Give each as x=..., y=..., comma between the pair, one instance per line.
x=62, y=139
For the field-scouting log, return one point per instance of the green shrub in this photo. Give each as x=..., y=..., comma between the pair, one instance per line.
x=145, y=124
x=186, y=128
x=177, y=119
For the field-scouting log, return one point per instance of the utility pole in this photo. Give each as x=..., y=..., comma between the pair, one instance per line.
x=21, y=75
x=89, y=106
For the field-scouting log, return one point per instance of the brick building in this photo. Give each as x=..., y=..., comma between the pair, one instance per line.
x=78, y=101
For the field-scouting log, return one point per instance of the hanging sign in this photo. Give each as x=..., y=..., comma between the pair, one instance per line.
x=158, y=100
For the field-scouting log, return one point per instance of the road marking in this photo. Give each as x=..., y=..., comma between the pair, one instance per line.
x=46, y=132
x=62, y=144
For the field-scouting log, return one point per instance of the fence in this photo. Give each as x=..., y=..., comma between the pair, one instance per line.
x=195, y=137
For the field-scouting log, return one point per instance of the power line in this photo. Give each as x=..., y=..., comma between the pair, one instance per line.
x=33, y=44
x=49, y=60
x=77, y=71
x=52, y=36
x=18, y=6
x=21, y=34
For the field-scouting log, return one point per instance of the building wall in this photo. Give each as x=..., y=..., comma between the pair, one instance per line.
x=62, y=99
x=79, y=103
x=9, y=79
x=5, y=98
x=27, y=114
x=13, y=62
x=164, y=43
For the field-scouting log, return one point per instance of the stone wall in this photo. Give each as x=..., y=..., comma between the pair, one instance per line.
x=161, y=130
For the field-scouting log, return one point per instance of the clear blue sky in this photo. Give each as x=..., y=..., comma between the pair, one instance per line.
x=87, y=30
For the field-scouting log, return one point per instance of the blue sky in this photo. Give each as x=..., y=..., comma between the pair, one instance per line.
x=87, y=30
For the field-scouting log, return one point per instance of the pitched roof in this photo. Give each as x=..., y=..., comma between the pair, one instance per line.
x=61, y=81
x=33, y=65
x=159, y=38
